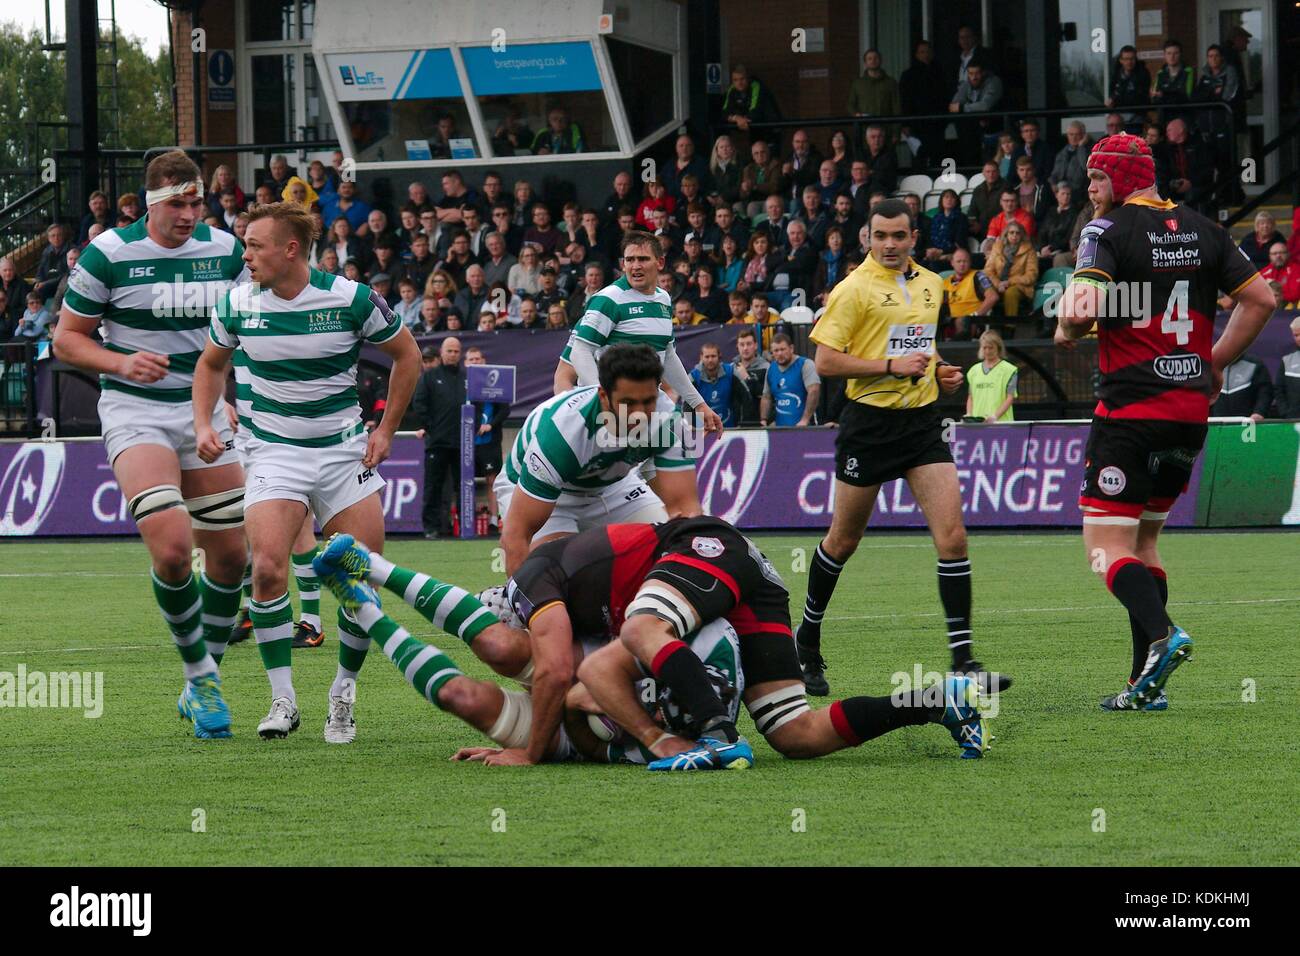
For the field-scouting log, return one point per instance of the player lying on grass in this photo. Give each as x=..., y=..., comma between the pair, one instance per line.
x=630, y=580
x=506, y=716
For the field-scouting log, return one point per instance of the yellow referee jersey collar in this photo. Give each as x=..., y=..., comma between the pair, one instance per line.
x=882, y=270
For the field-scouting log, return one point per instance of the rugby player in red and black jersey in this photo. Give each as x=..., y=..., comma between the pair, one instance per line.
x=655, y=587
x=1149, y=274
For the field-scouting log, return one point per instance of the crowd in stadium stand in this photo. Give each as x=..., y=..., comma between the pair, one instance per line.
x=755, y=223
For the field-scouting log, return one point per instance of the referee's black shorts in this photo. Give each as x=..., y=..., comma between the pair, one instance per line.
x=487, y=460
x=874, y=445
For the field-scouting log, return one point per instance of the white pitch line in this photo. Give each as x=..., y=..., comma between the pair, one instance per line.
x=1051, y=610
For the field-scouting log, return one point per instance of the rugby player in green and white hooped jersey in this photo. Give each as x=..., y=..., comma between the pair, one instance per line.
x=150, y=287
x=301, y=333
x=576, y=462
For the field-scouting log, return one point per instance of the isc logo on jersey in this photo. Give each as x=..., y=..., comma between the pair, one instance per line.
x=910, y=338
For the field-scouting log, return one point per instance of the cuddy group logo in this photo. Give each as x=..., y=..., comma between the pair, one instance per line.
x=731, y=473
x=1178, y=368
x=30, y=487
x=355, y=77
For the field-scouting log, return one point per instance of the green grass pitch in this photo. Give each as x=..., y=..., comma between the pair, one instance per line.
x=1210, y=782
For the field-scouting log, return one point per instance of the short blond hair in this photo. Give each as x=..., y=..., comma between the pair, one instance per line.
x=291, y=215
x=993, y=337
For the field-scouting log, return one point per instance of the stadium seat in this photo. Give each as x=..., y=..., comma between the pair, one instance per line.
x=953, y=181
x=918, y=183
x=976, y=180
x=798, y=315
x=1044, y=292
x=758, y=219
x=1058, y=274
x=945, y=273
x=973, y=245
x=818, y=314
x=932, y=202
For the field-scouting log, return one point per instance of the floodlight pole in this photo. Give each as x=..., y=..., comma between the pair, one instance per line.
x=82, y=17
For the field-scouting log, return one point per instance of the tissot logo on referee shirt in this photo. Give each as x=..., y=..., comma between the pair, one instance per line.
x=910, y=338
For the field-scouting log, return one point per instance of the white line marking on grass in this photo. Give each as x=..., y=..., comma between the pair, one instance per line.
x=1052, y=610
x=71, y=650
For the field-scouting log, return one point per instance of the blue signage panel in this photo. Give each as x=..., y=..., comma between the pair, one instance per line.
x=490, y=383
x=531, y=68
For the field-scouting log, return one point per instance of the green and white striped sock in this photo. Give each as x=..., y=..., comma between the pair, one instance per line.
x=220, y=614
x=248, y=586
x=273, y=628
x=425, y=667
x=181, y=604
x=353, y=644
x=308, y=587
x=445, y=606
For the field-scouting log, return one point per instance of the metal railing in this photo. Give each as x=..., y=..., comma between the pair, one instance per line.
x=26, y=218
x=18, y=399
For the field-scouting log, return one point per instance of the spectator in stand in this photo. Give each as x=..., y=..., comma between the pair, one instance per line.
x=724, y=224
x=279, y=174
x=801, y=169
x=812, y=213
x=967, y=293
x=684, y=312
x=53, y=264
x=684, y=161
x=1004, y=156
x=409, y=302
x=381, y=283
x=488, y=322
x=503, y=224
x=328, y=262
x=1032, y=145
x=33, y=325
x=948, y=231
x=1285, y=271
x=737, y=309
x=56, y=304
x=352, y=270
x=497, y=261
x=574, y=263
x=1188, y=170
x=229, y=211
x=979, y=92
x=263, y=194
x=1071, y=163
x=799, y=265
x=841, y=154
x=593, y=280
x=1287, y=391
x=455, y=196
x=1115, y=124
x=1034, y=195
x=626, y=223
x=656, y=198
x=792, y=388
x=512, y=136
x=760, y=179
x=881, y=160
x=419, y=265
x=1174, y=81
x=775, y=224
x=522, y=210
x=992, y=382
x=417, y=196
x=525, y=275
x=15, y=288
x=724, y=389
x=529, y=313
x=969, y=51
x=706, y=298
x=1057, y=226
x=1220, y=83
x=457, y=259
x=761, y=263
x=542, y=233
x=1130, y=85
x=830, y=266
x=557, y=317
x=751, y=367
x=6, y=322
x=623, y=195
x=1259, y=244
x=383, y=258
x=429, y=320
x=747, y=101
x=345, y=203
x=470, y=299
x=1012, y=266
x=762, y=315
x=560, y=136
x=472, y=222
x=923, y=90
x=99, y=213
x=829, y=183
x=441, y=288
x=593, y=236
x=128, y=205
x=845, y=216
x=1247, y=390
x=984, y=200
x=321, y=178
x=922, y=226
x=1011, y=210
x=439, y=394
x=548, y=291
x=875, y=92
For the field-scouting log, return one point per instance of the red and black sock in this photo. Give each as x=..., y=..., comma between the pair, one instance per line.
x=1141, y=643
x=1135, y=586
x=858, y=719
x=677, y=666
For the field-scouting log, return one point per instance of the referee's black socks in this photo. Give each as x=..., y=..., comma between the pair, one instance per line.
x=859, y=719
x=823, y=575
x=1141, y=639
x=955, y=596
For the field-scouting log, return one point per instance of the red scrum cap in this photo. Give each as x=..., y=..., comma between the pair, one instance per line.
x=1127, y=160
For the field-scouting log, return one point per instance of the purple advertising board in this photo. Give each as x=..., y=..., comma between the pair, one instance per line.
x=775, y=479
x=784, y=478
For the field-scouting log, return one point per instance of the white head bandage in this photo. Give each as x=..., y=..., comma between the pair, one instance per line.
x=191, y=190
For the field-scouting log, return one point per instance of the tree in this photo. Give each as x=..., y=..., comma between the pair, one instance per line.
x=144, y=93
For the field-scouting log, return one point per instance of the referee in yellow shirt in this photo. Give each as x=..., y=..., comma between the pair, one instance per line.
x=878, y=332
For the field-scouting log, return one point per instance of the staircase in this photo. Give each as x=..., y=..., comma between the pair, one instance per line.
x=106, y=78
